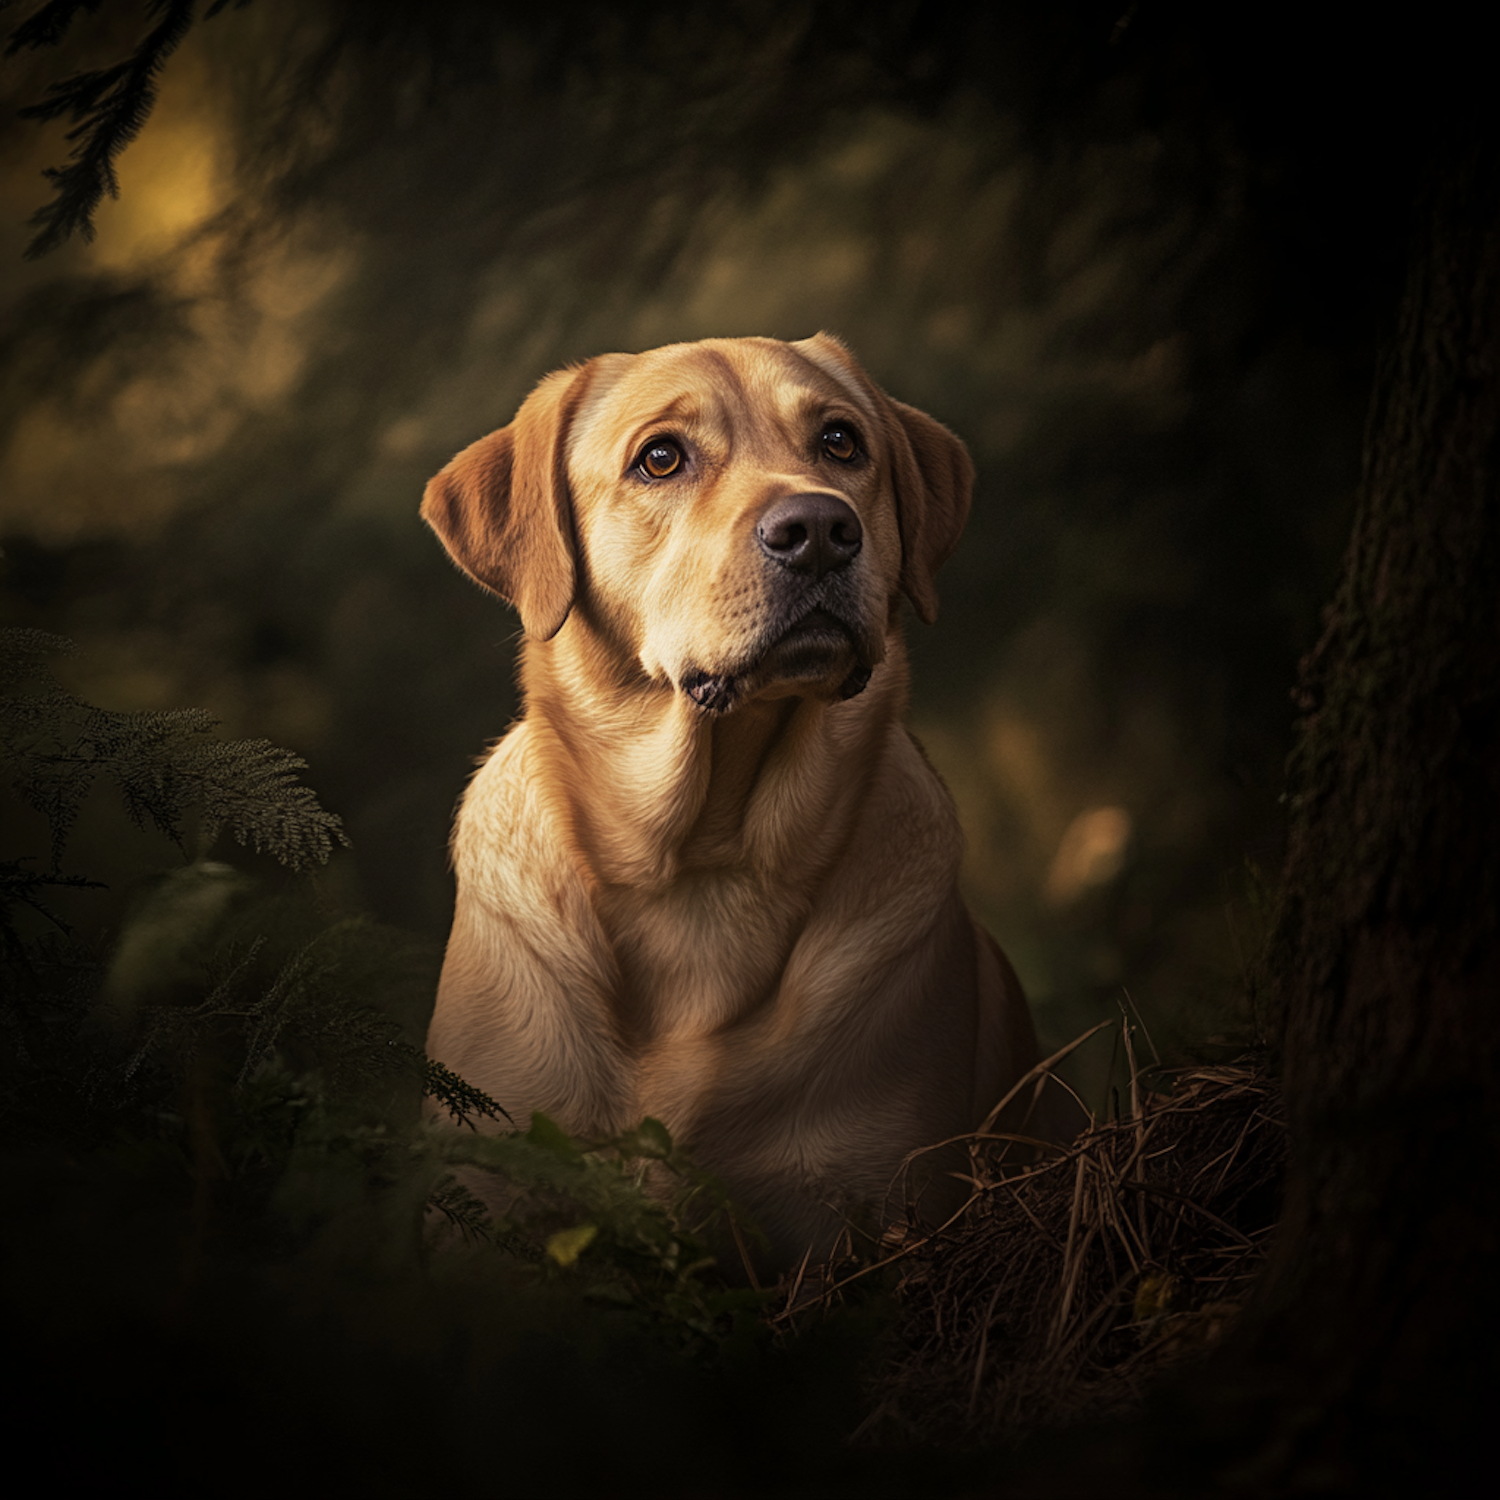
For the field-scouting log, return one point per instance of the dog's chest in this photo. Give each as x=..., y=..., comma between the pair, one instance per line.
x=700, y=956
x=599, y=1001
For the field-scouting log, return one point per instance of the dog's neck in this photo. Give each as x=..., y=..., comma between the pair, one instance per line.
x=664, y=792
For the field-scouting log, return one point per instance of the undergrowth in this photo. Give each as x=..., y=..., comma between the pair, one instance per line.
x=251, y=1237
x=229, y=1166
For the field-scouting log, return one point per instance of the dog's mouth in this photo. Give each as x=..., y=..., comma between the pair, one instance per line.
x=817, y=628
x=813, y=648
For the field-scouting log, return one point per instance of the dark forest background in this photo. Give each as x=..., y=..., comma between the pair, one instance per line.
x=1142, y=257
x=1128, y=254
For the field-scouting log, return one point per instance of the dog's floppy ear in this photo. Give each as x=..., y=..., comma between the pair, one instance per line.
x=934, y=487
x=934, y=477
x=502, y=508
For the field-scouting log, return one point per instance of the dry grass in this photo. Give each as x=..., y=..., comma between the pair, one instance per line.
x=1062, y=1287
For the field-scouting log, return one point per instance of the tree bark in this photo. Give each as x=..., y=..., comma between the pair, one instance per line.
x=1370, y=1355
x=1367, y=1359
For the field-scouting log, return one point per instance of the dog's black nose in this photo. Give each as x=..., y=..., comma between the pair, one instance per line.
x=813, y=533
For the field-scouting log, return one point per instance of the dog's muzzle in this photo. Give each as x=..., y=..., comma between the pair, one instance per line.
x=814, y=632
x=811, y=539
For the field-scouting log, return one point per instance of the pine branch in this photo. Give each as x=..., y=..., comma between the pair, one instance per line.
x=108, y=108
x=47, y=26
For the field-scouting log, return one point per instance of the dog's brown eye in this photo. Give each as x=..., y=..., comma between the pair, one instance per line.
x=840, y=443
x=661, y=458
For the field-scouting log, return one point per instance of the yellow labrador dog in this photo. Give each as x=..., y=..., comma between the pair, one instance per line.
x=709, y=876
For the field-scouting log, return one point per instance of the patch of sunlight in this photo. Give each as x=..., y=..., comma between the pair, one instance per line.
x=173, y=177
x=1091, y=853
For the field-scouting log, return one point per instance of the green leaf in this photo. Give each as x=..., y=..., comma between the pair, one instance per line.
x=568, y=1244
x=164, y=764
x=650, y=1139
x=551, y=1137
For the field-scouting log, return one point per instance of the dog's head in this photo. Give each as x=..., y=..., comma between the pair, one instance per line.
x=738, y=515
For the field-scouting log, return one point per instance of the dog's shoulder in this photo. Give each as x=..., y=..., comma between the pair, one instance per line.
x=508, y=848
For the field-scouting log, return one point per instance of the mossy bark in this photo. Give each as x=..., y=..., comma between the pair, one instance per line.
x=1373, y=1348
x=1367, y=1360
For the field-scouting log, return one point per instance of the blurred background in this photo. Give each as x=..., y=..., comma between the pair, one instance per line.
x=1113, y=246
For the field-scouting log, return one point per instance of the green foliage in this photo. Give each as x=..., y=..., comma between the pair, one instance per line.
x=461, y=1100
x=462, y=1210
x=164, y=765
x=304, y=1007
x=107, y=107
x=22, y=887
x=247, y=1059
x=626, y=1222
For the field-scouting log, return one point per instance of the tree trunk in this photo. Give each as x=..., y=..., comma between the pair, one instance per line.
x=1370, y=1357
x=1367, y=1360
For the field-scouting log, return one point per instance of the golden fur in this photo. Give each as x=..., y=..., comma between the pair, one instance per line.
x=709, y=876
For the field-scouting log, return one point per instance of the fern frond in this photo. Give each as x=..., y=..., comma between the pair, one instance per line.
x=165, y=765
x=308, y=999
x=24, y=654
x=22, y=887
x=460, y=1098
x=462, y=1210
x=251, y=787
x=175, y=1032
